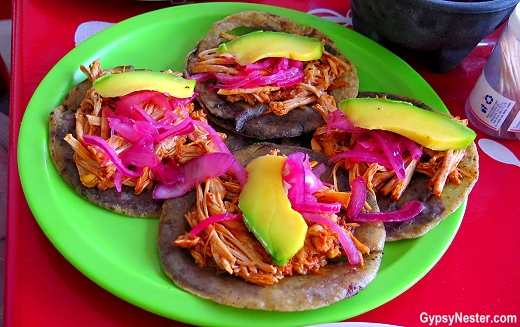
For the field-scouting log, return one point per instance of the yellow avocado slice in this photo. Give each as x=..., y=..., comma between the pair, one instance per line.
x=115, y=85
x=257, y=45
x=430, y=129
x=267, y=210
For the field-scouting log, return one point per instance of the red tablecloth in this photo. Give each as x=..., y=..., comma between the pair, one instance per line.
x=479, y=274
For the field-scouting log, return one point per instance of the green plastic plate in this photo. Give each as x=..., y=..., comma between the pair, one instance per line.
x=119, y=253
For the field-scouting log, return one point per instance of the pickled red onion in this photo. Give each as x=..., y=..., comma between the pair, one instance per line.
x=312, y=181
x=237, y=168
x=125, y=129
x=353, y=255
x=125, y=105
x=414, y=149
x=214, y=219
x=407, y=211
x=201, y=77
x=111, y=153
x=260, y=64
x=362, y=156
x=303, y=183
x=182, y=103
x=338, y=120
x=358, y=197
x=162, y=101
x=141, y=154
x=130, y=121
x=319, y=169
x=320, y=207
x=374, y=146
x=118, y=182
x=286, y=77
x=196, y=171
x=168, y=172
x=185, y=127
x=391, y=150
x=280, y=72
x=294, y=176
x=236, y=81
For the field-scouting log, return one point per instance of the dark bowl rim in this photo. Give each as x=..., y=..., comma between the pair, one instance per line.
x=480, y=7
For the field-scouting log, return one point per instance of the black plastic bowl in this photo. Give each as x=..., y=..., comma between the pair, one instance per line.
x=445, y=31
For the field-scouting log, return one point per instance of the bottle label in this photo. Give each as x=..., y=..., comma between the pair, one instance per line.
x=515, y=124
x=489, y=106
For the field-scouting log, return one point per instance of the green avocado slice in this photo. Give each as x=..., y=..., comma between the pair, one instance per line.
x=257, y=45
x=428, y=128
x=267, y=211
x=115, y=85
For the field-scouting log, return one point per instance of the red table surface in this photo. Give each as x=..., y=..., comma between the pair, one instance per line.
x=479, y=274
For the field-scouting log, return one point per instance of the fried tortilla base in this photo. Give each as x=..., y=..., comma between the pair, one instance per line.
x=248, y=119
x=437, y=208
x=338, y=281
x=63, y=121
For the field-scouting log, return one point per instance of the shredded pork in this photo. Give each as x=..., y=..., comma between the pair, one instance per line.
x=96, y=169
x=234, y=249
x=320, y=77
x=440, y=166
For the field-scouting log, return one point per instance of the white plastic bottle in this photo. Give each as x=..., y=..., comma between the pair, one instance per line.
x=494, y=103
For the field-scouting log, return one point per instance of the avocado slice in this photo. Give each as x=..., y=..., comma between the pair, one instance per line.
x=267, y=211
x=115, y=85
x=257, y=45
x=428, y=128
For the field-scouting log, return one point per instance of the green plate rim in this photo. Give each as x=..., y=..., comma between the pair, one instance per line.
x=54, y=207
